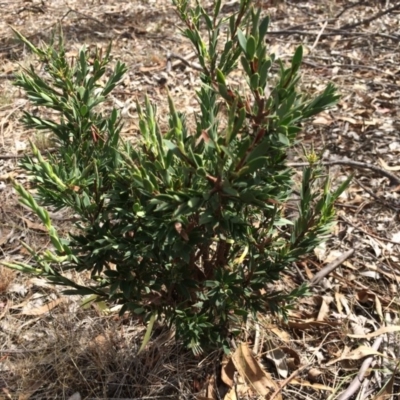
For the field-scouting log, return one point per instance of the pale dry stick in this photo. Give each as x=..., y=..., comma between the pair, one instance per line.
x=288, y=380
x=356, y=383
x=318, y=36
x=393, y=178
x=256, y=338
x=330, y=267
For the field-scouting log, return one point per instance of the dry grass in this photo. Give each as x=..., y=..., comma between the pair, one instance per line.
x=97, y=356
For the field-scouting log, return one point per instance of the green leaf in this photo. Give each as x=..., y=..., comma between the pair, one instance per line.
x=84, y=110
x=254, y=82
x=220, y=77
x=297, y=58
x=256, y=164
x=148, y=332
x=264, y=67
x=184, y=222
x=283, y=139
x=263, y=28
x=217, y=8
x=250, y=47
x=229, y=190
x=246, y=65
x=242, y=40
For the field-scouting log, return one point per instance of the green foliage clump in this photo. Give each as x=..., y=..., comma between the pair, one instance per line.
x=186, y=226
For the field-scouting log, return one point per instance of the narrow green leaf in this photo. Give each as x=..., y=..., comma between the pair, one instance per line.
x=263, y=28
x=148, y=332
x=251, y=47
x=297, y=58
x=242, y=40
x=254, y=81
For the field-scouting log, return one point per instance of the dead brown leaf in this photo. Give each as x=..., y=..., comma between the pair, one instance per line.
x=356, y=354
x=44, y=308
x=227, y=371
x=387, y=391
x=33, y=225
x=251, y=371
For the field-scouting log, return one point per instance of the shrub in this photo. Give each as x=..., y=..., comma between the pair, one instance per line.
x=186, y=226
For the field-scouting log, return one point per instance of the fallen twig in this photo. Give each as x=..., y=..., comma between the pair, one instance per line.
x=330, y=267
x=195, y=66
x=287, y=380
x=82, y=16
x=348, y=8
x=334, y=33
x=34, y=9
x=12, y=156
x=7, y=76
x=393, y=178
x=377, y=198
x=370, y=19
x=367, y=233
x=356, y=383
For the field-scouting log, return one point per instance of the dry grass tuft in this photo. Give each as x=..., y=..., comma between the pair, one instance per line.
x=97, y=357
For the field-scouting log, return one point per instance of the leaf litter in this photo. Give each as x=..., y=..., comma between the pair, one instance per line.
x=52, y=349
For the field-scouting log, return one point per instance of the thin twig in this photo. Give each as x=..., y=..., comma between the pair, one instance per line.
x=349, y=66
x=34, y=9
x=82, y=16
x=334, y=33
x=195, y=66
x=7, y=76
x=288, y=380
x=12, y=156
x=377, y=198
x=356, y=383
x=367, y=233
x=370, y=19
x=309, y=23
x=330, y=267
x=393, y=178
x=349, y=7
